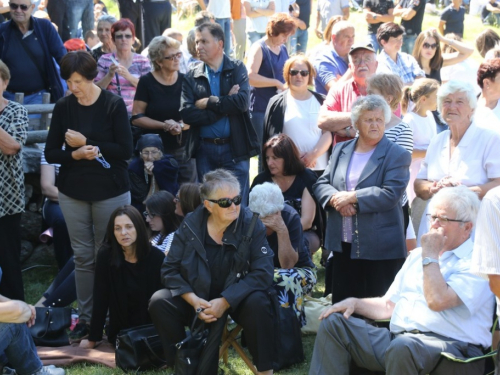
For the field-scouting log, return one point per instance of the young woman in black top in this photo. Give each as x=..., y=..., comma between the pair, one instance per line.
x=127, y=274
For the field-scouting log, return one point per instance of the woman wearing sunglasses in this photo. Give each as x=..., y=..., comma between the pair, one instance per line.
x=157, y=102
x=295, y=113
x=120, y=72
x=201, y=272
x=427, y=52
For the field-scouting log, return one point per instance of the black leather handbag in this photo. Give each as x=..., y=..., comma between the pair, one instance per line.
x=50, y=326
x=139, y=349
x=189, y=350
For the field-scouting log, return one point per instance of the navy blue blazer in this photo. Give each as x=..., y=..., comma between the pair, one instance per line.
x=380, y=233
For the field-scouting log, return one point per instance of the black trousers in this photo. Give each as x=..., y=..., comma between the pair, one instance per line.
x=132, y=11
x=57, y=13
x=11, y=285
x=171, y=314
x=361, y=278
x=157, y=17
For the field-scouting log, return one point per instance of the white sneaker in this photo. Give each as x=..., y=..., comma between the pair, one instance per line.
x=50, y=370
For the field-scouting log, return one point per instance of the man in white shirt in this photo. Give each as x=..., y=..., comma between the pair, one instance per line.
x=435, y=304
x=486, y=255
x=221, y=9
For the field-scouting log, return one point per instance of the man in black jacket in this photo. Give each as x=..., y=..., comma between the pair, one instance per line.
x=214, y=102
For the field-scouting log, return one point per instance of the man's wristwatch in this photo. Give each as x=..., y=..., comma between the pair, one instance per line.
x=426, y=261
x=375, y=17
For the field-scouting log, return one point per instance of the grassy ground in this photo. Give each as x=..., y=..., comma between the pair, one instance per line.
x=38, y=279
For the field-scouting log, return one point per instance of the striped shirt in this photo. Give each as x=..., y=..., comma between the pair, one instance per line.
x=486, y=255
x=402, y=135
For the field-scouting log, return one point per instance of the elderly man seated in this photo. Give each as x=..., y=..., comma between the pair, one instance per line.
x=435, y=304
x=15, y=340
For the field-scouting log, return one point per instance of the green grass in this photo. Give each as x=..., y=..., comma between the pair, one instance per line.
x=37, y=280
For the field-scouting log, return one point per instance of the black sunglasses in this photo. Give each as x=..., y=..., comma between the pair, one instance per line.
x=122, y=36
x=427, y=45
x=303, y=73
x=227, y=202
x=176, y=56
x=23, y=7
x=148, y=214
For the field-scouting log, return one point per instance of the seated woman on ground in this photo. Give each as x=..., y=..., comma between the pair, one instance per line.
x=152, y=171
x=127, y=274
x=284, y=167
x=162, y=220
x=294, y=271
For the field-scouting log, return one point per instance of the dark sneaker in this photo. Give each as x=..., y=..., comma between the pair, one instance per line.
x=79, y=333
x=8, y=371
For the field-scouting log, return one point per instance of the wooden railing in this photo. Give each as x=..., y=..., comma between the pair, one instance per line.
x=38, y=127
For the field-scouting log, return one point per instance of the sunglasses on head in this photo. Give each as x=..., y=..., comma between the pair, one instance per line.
x=23, y=7
x=303, y=73
x=227, y=202
x=123, y=36
x=428, y=46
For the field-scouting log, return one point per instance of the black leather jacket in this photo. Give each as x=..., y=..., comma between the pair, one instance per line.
x=186, y=268
x=244, y=141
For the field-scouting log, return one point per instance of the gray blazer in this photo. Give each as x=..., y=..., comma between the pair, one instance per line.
x=379, y=234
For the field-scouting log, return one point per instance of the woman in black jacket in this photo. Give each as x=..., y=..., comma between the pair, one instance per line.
x=203, y=275
x=295, y=113
x=126, y=276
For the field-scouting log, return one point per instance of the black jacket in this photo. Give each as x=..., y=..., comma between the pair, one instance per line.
x=275, y=114
x=244, y=140
x=110, y=292
x=186, y=268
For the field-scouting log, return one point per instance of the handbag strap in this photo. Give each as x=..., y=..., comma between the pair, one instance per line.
x=151, y=351
x=43, y=74
x=48, y=321
x=118, y=87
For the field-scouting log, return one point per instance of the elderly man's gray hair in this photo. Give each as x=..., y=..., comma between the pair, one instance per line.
x=218, y=180
x=106, y=18
x=266, y=199
x=463, y=201
x=369, y=103
x=341, y=26
x=452, y=87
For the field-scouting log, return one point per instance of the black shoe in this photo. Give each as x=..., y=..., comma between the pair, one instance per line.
x=79, y=333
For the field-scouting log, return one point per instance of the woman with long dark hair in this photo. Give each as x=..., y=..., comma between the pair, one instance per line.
x=126, y=276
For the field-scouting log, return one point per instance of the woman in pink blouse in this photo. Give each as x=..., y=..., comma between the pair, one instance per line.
x=120, y=72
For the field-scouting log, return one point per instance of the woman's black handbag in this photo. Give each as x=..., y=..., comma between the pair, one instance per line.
x=287, y=336
x=189, y=350
x=50, y=326
x=139, y=349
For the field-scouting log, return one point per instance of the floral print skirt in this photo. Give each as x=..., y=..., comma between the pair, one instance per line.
x=291, y=286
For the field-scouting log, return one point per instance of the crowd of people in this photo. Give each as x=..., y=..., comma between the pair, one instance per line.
x=155, y=217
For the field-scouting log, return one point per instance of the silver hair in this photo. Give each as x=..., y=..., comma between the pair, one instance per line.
x=341, y=26
x=454, y=86
x=217, y=180
x=369, y=103
x=157, y=47
x=463, y=201
x=106, y=18
x=266, y=199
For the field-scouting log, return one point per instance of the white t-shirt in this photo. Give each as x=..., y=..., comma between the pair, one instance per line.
x=424, y=129
x=281, y=6
x=220, y=8
x=488, y=118
x=465, y=71
x=258, y=24
x=301, y=125
x=329, y=8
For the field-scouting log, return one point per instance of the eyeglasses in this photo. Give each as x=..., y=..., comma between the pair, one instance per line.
x=360, y=61
x=23, y=7
x=429, y=46
x=175, y=56
x=147, y=214
x=177, y=199
x=149, y=153
x=227, y=202
x=123, y=36
x=303, y=73
x=442, y=220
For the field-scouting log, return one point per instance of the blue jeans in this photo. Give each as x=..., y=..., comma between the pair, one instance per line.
x=79, y=10
x=408, y=43
x=28, y=99
x=210, y=157
x=374, y=42
x=225, y=23
x=54, y=218
x=18, y=346
x=298, y=42
x=257, y=119
x=254, y=36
